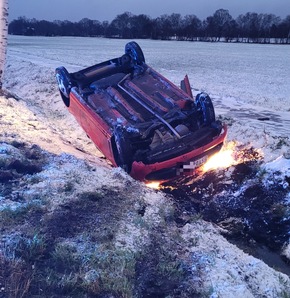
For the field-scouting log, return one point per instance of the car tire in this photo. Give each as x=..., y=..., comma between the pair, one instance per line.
x=205, y=107
x=64, y=84
x=135, y=52
x=123, y=150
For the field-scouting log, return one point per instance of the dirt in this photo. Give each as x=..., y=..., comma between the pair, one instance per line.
x=251, y=214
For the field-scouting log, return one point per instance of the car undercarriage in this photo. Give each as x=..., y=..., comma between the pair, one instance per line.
x=148, y=119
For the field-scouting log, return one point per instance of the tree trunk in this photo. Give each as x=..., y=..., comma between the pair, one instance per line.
x=3, y=36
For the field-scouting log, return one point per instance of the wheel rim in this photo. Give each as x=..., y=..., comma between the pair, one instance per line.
x=63, y=80
x=204, y=104
x=135, y=52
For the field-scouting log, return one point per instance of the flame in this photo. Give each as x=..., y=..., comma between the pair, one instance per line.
x=153, y=184
x=231, y=154
x=221, y=160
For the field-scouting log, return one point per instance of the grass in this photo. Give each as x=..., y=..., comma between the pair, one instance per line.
x=17, y=264
x=280, y=142
x=13, y=216
x=116, y=271
x=68, y=187
x=285, y=284
x=15, y=278
x=31, y=249
x=93, y=196
x=97, y=271
x=228, y=120
x=9, y=216
x=75, y=250
x=64, y=258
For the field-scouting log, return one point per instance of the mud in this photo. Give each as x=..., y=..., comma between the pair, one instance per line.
x=29, y=160
x=251, y=213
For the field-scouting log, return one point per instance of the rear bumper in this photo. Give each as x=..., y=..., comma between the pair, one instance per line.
x=179, y=165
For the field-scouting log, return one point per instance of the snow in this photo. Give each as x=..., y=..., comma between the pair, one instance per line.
x=247, y=82
x=280, y=164
x=228, y=272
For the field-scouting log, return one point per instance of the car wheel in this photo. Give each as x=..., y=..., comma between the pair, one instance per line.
x=135, y=52
x=205, y=107
x=64, y=84
x=123, y=151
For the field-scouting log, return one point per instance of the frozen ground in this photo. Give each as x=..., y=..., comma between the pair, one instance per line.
x=246, y=81
x=249, y=85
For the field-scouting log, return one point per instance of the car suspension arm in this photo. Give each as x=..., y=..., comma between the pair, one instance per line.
x=147, y=107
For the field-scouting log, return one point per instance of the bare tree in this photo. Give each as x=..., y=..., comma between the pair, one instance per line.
x=3, y=36
x=123, y=24
x=218, y=25
x=191, y=27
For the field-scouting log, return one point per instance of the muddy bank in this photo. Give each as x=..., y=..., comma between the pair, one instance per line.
x=249, y=204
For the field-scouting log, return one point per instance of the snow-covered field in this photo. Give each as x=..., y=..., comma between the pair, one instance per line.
x=249, y=86
x=252, y=73
x=245, y=78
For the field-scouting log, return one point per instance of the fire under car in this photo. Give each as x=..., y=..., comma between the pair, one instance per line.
x=140, y=120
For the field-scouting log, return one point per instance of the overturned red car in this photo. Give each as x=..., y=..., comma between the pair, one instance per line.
x=140, y=120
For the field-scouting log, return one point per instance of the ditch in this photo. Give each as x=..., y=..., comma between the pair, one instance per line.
x=252, y=213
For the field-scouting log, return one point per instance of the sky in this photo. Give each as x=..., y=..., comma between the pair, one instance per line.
x=107, y=10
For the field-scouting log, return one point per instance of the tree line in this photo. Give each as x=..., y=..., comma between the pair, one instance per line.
x=221, y=26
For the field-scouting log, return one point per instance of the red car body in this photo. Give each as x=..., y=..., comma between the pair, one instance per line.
x=140, y=120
